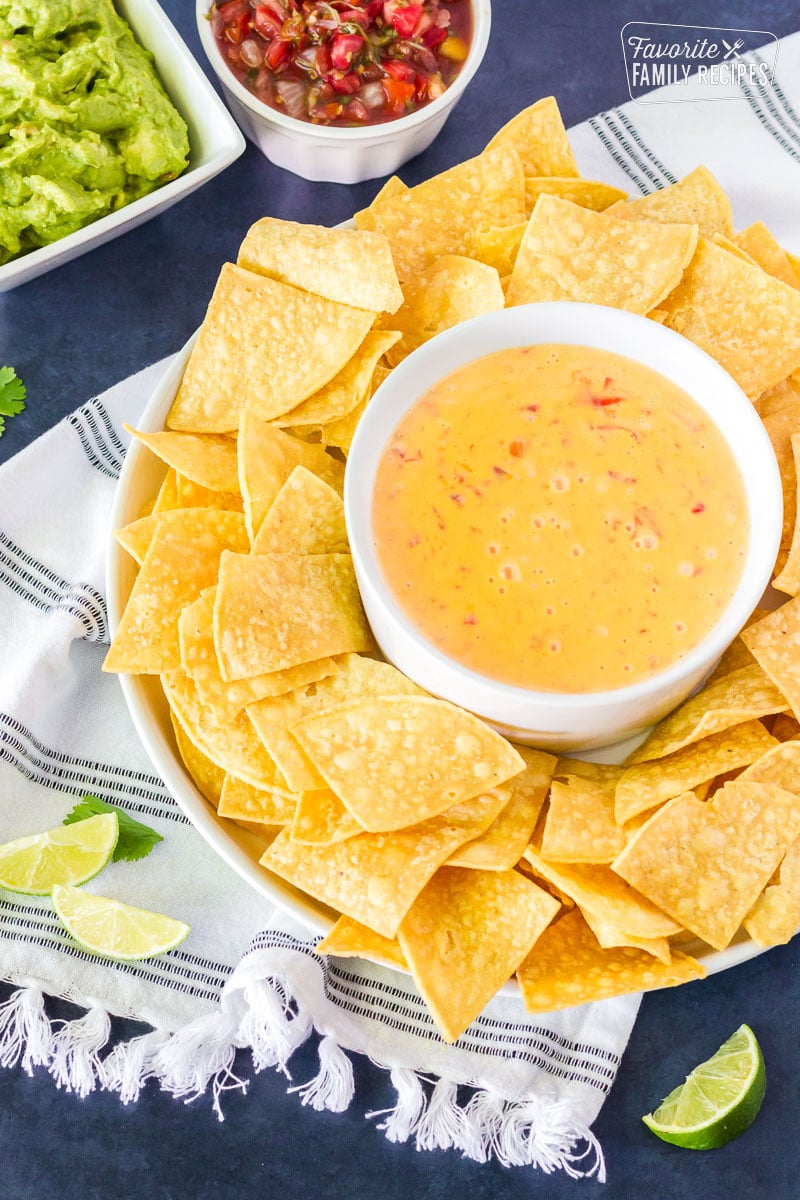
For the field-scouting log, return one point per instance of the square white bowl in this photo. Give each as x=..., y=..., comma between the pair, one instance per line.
x=214, y=140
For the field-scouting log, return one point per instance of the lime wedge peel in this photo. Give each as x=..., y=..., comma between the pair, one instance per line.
x=70, y=854
x=718, y=1100
x=113, y=929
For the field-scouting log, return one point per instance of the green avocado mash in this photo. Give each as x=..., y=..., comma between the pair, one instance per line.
x=85, y=124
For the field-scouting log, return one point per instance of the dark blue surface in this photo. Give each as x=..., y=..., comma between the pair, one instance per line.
x=90, y=323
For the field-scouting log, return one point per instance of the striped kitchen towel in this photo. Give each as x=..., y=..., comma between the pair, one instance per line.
x=248, y=976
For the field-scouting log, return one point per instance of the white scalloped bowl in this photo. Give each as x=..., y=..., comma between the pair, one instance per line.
x=336, y=155
x=551, y=720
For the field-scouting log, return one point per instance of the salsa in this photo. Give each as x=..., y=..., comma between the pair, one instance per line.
x=561, y=518
x=344, y=62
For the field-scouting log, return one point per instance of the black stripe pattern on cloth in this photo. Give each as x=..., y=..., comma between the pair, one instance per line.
x=101, y=443
x=774, y=112
x=141, y=794
x=618, y=147
x=189, y=974
x=651, y=165
x=34, y=582
x=404, y=1011
x=778, y=92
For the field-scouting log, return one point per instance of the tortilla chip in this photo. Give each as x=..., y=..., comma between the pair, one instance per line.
x=740, y=696
x=357, y=679
x=232, y=745
x=726, y=244
x=351, y=939
x=274, y=611
x=348, y=266
x=339, y=434
x=365, y=218
x=572, y=253
x=745, y=319
x=349, y=388
x=199, y=661
x=600, y=772
x=757, y=241
x=774, y=642
x=267, y=457
x=737, y=655
x=609, y=937
x=135, y=538
x=706, y=862
x=242, y=801
x=697, y=199
x=393, y=186
x=784, y=727
x=498, y=247
x=182, y=559
x=465, y=935
x=539, y=138
x=306, y=517
x=262, y=346
x=167, y=497
x=208, y=459
x=194, y=495
x=781, y=426
x=775, y=917
x=580, y=825
x=649, y=784
x=784, y=395
x=788, y=580
x=320, y=819
x=381, y=373
x=567, y=967
x=500, y=847
x=207, y=777
x=451, y=290
x=599, y=890
x=398, y=760
x=444, y=214
x=588, y=193
x=375, y=877
x=779, y=766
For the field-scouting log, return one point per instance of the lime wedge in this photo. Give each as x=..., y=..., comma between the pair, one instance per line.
x=718, y=1100
x=66, y=854
x=113, y=929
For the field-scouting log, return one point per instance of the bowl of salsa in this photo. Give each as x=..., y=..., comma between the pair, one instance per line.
x=343, y=90
x=560, y=516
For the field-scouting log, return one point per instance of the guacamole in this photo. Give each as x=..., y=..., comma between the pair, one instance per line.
x=85, y=124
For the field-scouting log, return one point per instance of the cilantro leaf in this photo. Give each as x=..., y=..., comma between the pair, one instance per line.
x=12, y=395
x=135, y=839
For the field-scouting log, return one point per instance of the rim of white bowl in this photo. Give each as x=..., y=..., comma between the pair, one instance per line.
x=359, y=485
x=481, y=28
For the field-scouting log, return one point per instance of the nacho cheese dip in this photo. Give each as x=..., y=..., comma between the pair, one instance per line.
x=560, y=518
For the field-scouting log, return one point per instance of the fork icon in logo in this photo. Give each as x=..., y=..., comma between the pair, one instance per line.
x=732, y=50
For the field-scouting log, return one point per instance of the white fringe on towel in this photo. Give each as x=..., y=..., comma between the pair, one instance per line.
x=260, y=1010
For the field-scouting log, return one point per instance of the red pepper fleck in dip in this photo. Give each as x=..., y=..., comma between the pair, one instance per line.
x=596, y=531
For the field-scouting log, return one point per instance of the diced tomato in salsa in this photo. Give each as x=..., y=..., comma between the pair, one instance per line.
x=344, y=62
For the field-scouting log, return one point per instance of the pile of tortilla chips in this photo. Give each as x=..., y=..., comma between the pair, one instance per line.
x=440, y=846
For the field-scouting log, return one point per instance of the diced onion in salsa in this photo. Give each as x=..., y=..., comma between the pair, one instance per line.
x=344, y=62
